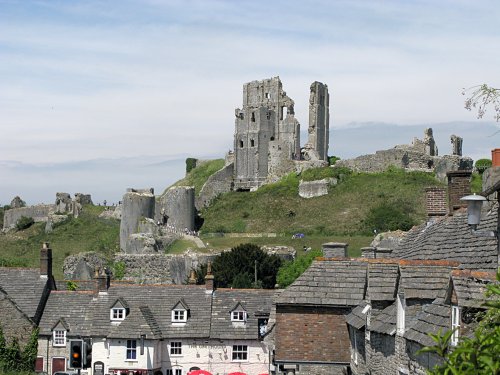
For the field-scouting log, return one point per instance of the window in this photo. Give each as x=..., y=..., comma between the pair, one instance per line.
x=178, y=371
x=253, y=116
x=176, y=348
x=59, y=337
x=238, y=316
x=179, y=316
x=241, y=144
x=455, y=324
x=268, y=95
x=131, y=349
x=117, y=313
x=240, y=352
x=252, y=143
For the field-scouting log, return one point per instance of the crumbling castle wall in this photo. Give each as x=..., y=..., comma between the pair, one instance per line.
x=218, y=183
x=319, y=121
x=177, y=208
x=137, y=205
x=39, y=213
x=420, y=156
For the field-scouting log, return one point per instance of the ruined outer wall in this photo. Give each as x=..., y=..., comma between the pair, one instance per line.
x=39, y=213
x=218, y=183
x=136, y=204
x=178, y=203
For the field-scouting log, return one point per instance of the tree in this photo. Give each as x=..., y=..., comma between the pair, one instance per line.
x=477, y=355
x=481, y=97
x=236, y=268
x=289, y=272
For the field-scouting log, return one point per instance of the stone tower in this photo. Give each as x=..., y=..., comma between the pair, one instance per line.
x=319, y=120
x=267, y=135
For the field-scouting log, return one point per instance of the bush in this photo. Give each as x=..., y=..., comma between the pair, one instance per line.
x=190, y=164
x=119, y=270
x=24, y=222
x=389, y=216
x=289, y=272
x=332, y=160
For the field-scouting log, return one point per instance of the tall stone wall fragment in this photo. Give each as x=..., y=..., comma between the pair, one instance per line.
x=137, y=204
x=178, y=208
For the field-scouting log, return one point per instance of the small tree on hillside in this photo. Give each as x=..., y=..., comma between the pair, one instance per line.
x=236, y=268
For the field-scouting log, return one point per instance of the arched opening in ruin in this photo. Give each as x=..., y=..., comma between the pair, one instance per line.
x=241, y=143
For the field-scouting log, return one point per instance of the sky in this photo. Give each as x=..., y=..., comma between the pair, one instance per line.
x=100, y=96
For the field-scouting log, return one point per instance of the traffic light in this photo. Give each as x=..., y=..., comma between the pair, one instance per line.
x=76, y=353
x=87, y=353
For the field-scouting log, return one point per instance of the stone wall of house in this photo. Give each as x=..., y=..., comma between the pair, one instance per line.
x=299, y=323
x=381, y=354
x=419, y=363
x=320, y=369
x=358, y=357
x=218, y=183
x=14, y=323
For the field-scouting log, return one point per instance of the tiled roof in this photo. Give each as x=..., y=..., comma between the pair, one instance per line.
x=382, y=281
x=329, y=283
x=356, y=318
x=385, y=320
x=470, y=286
x=254, y=301
x=431, y=319
x=424, y=281
x=24, y=286
x=451, y=238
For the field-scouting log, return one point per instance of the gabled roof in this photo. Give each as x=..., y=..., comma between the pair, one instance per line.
x=120, y=302
x=255, y=302
x=356, y=318
x=61, y=322
x=25, y=287
x=238, y=307
x=335, y=282
x=431, y=319
x=385, y=321
x=382, y=281
x=450, y=238
x=182, y=304
x=470, y=286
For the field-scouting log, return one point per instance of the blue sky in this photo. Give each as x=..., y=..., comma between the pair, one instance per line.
x=84, y=82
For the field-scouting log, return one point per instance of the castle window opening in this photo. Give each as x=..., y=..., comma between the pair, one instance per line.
x=241, y=143
x=252, y=143
x=283, y=111
x=268, y=115
x=268, y=95
x=272, y=138
x=253, y=116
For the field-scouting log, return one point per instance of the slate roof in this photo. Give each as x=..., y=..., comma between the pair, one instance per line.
x=382, y=281
x=470, y=286
x=328, y=282
x=254, y=301
x=431, y=319
x=356, y=318
x=450, y=238
x=24, y=286
x=424, y=280
x=385, y=321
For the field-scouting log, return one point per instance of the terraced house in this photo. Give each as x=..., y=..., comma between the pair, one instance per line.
x=158, y=329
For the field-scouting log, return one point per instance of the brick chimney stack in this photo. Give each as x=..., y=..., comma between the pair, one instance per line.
x=458, y=187
x=209, y=279
x=102, y=281
x=436, y=202
x=192, y=278
x=46, y=261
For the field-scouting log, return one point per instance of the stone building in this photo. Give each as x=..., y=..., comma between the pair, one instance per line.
x=267, y=134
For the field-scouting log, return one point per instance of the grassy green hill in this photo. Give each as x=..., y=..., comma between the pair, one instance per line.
x=357, y=205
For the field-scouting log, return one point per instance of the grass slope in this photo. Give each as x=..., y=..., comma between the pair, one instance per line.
x=278, y=207
x=199, y=175
x=88, y=232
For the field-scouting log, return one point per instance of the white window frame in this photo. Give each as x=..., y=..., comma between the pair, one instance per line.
x=59, y=337
x=401, y=312
x=177, y=317
x=175, y=348
x=455, y=324
x=117, y=314
x=240, y=353
x=132, y=350
x=176, y=371
x=239, y=316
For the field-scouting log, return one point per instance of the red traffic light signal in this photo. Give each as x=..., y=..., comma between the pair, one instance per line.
x=76, y=354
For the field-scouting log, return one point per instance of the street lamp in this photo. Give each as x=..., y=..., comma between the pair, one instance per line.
x=474, y=204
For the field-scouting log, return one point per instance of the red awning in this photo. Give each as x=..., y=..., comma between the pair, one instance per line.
x=237, y=373
x=199, y=372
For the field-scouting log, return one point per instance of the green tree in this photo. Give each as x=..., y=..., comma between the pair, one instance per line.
x=236, y=268
x=24, y=222
x=289, y=272
x=477, y=355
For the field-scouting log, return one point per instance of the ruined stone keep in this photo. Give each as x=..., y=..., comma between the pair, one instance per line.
x=267, y=134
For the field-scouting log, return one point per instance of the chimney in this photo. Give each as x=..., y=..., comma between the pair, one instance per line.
x=436, y=203
x=192, y=278
x=102, y=281
x=458, y=187
x=495, y=157
x=46, y=261
x=209, y=279
x=334, y=250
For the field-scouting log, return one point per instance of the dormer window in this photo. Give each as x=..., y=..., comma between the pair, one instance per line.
x=59, y=337
x=239, y=316
x=179, y=316
x=117, y=313
x=180, y=312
